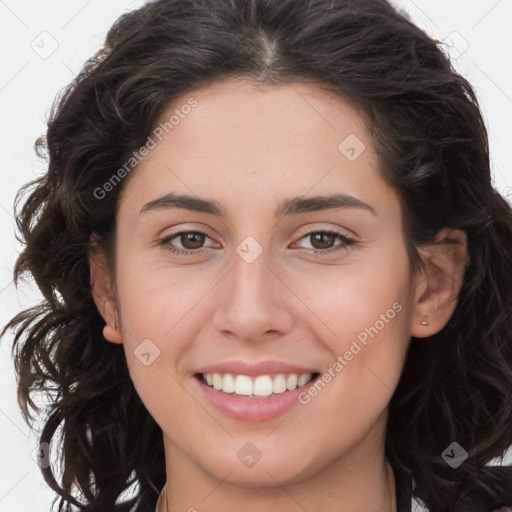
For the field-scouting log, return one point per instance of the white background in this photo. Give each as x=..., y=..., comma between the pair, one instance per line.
x=477, y=30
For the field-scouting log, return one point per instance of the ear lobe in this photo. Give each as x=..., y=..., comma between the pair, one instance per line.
x=438, y=287
x=104, y=294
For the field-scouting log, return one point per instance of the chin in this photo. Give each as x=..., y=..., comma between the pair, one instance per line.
x=285, y=468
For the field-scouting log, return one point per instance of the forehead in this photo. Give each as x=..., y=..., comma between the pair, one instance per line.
x=291, y=111
x=245, y=140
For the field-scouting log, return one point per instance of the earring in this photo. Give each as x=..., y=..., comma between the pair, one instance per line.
x=424, y=322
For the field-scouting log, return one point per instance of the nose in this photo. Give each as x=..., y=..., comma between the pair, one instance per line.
x=253, y=301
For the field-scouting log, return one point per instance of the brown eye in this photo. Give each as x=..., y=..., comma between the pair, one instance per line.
x=192, y=240
x=323, y=240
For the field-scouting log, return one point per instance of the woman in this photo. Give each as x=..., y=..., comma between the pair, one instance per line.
x=277, y=275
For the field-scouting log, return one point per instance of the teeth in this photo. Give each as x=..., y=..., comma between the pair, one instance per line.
x=228, y=384
x=303, y=379
x=217, y=381
x=291, y=382
x=261, y=386
x=243, y=385
x=279, y=385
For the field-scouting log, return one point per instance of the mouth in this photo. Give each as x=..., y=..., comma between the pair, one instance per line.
x=250, y=391
x=256, y=387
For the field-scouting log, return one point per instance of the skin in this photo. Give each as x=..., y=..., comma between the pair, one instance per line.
x=250, y=148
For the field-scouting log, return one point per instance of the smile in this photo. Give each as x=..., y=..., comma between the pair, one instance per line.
x=256, y=387
x=253, y=398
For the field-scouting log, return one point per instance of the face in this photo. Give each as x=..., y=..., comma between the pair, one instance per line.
x=262, y=302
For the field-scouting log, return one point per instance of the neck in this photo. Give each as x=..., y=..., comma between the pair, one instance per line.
x=359, y=480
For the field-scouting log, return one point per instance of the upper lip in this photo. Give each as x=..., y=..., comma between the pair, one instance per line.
x=239, y=367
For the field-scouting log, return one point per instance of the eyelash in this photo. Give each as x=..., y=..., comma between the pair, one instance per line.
x=347, y=242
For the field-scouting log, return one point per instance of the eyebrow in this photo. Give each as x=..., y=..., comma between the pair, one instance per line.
x=288, y=207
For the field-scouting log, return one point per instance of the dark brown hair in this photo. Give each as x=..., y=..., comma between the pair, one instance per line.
x=432, y=145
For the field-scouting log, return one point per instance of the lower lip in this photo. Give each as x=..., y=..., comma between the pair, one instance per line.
x=252, y=409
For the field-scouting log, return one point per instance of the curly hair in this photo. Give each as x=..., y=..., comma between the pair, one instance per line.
x=432, y=145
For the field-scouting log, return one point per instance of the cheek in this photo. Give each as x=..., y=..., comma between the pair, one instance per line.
x=368, y=315
x=366, y=300
x=156, y=308
x=157, y=299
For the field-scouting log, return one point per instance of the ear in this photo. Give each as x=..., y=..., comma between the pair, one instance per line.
x=103, y=292
x=438, y=286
